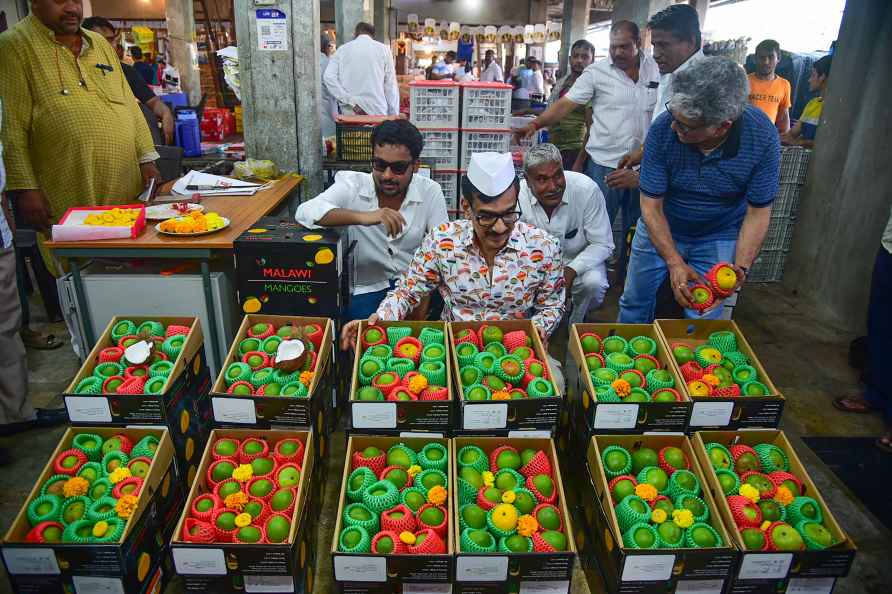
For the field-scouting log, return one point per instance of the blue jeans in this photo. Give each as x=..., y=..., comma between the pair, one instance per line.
x=879, y=336
x=647, y=271
x=362, y=306
x=617, y=200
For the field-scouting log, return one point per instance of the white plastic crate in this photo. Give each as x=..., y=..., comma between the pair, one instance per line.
x=448, y=180
x=486, y=105
x=482, y=141
x=440, y=148
x=434, y=103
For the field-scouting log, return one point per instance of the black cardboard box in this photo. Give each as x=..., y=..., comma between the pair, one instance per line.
x=129, y=565
x=391, y=418
x=371, y=573
x=624, y=418
x=286, y=269
x=491, y=573
x=653, y=571
x=236, y=567
x=711, y=412
x=183, y=406
x=487, y=416
x=760, y=570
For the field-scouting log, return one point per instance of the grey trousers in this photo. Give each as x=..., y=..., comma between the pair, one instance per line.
x=14, y=403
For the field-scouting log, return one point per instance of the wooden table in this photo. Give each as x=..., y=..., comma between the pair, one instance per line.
x=242, y=212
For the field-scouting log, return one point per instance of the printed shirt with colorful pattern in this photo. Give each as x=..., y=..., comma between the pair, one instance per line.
x=527, y=277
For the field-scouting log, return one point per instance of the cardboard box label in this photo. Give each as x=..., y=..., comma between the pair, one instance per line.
x=87, y=584
x=529, y=434
x=30, y=561
x=481, y=569
x=700, y=587
x=485, y=416
x=88, y=409
x=269, y=583
x=410, y=588
x=810, y=585
x=707, y=414
x=765, y=567
x=549, y=587
x=360, y=568
x=421, y=435
x=234, y=410
x=199, y=561
x=374, y=415
x=648, y=568
x=616, y=416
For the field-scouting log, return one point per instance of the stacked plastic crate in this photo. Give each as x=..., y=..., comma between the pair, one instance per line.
x=769, y=266
x=434, y=109
x=485, y=119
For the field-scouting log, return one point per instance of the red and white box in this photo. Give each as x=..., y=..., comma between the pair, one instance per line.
x=71, y=226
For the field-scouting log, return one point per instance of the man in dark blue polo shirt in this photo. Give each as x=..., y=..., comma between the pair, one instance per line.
x=708, y=178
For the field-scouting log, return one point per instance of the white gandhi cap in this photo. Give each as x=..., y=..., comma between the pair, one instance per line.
x=491, y=173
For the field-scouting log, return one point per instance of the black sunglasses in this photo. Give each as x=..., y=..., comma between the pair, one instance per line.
x=397, y=167
x=488, y=220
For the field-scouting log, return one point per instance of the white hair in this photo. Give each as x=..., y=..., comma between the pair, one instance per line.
x=541, y=154
x=713, y=90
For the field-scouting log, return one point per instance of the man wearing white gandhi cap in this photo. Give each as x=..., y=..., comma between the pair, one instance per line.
x=488, y=266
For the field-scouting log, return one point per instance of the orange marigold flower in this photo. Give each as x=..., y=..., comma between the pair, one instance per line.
x=527, y=525
x=710, y=379
x=501, y=395
x=646, y=491
x=306, y=377
x=437, y=495
x=126, y=505
x=417, y=384
x=621, y=387
x=236, y=501
x=783, y=495
x=75, y=486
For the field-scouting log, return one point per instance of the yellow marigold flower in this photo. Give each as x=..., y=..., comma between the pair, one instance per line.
x=119, y=474
x=100, y=528
x=437, y=495
x=243, y=473
x=658, y=516
x=413, y=470
x=243, y=520
x=621, y=387
x=711, y=380
x=764, y=525
x=236, y=501
x=306, y=377
x=527, y=525
x=646, y=491
x=501, y=395
x=783, y=495
x=407, y=537
x=417, y=384
x=76, y=485
x=750, y=492
x=488, y=478
x=508, y=497
x=126, y=505
x=683, y=517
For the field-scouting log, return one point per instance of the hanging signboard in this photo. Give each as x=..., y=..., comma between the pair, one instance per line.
x=272, y=29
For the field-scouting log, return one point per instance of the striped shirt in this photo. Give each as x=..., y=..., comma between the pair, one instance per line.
x=621, y=107
x=705, y=197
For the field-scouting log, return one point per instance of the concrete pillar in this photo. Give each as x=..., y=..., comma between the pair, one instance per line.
x=538, y=11
x=845, y=201
x=281, y=89
x=638, y=11
x=347, y=14
x=382, y=13
x=183, y=50
x=576, y=15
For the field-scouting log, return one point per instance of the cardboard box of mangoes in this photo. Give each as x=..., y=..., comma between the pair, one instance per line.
x=722, y=374
x=503, y=377
x=401, y=379
x=657, y=524
x=626, y=382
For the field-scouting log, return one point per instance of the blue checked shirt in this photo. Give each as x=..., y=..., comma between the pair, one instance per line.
x=705, y=197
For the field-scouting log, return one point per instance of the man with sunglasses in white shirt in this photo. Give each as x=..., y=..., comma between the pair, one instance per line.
x=386, y=212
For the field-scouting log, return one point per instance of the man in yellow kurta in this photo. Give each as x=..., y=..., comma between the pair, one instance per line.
x=73, y=132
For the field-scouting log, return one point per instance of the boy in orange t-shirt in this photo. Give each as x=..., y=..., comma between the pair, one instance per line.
x=768, y=91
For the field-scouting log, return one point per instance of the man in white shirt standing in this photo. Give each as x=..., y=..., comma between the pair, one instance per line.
x=570, y=207
x=328, y=106
x=492, y=71
x=387, y=213
x=623, y=92
x=362, y=77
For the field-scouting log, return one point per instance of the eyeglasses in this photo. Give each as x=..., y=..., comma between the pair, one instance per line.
x=681, y=127
x=397, y=167
x=487, y=220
